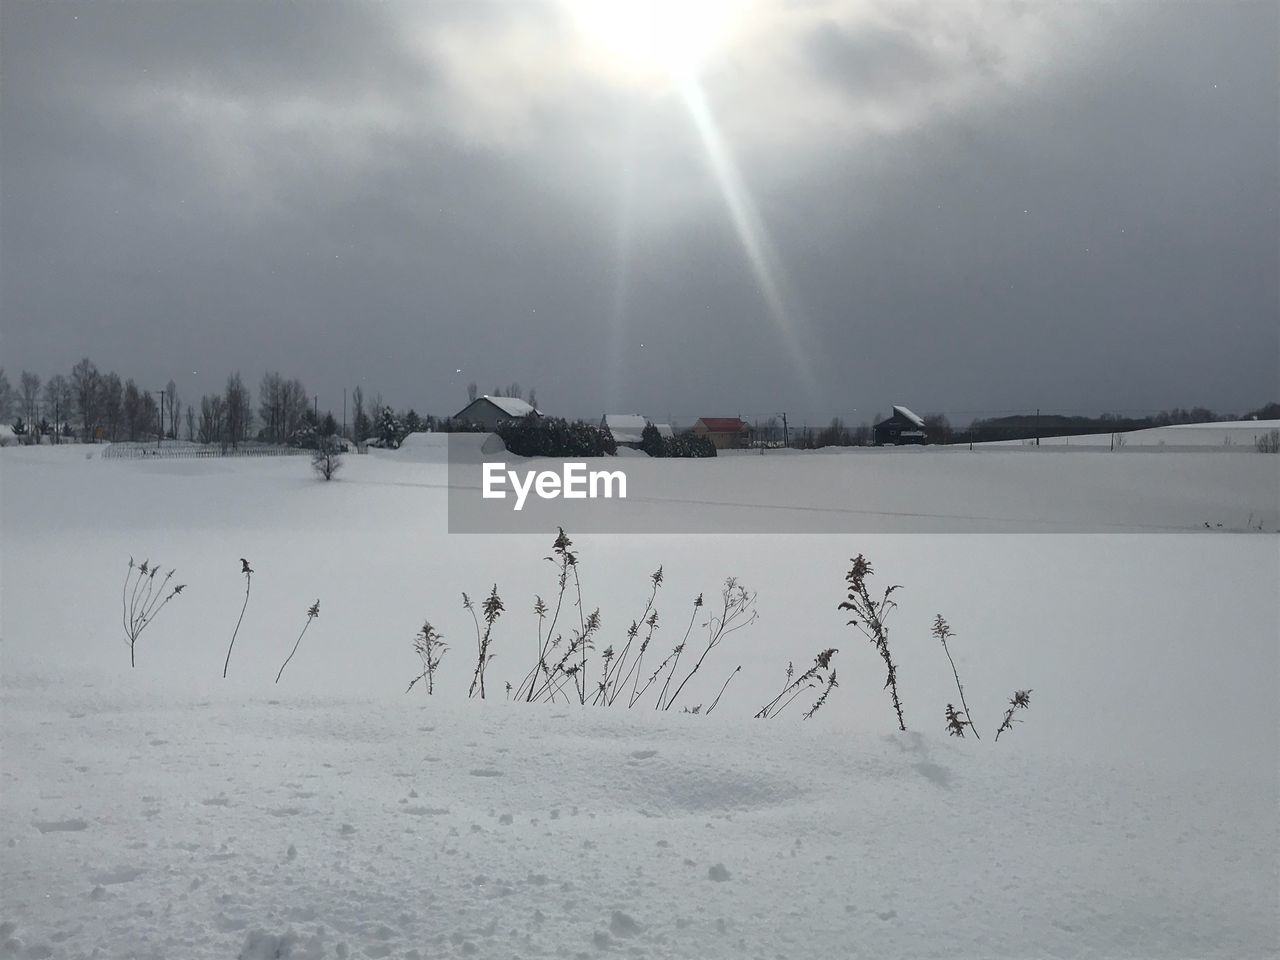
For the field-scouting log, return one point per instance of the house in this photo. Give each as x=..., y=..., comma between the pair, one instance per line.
x=725, y=433
x=903, y=427
x=628, y=428
x=489, y=411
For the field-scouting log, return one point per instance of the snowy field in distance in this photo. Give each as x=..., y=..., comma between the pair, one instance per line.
x=1238, y=434
x=164, y=812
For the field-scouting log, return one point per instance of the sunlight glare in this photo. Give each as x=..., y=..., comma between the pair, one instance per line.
x=654, y=40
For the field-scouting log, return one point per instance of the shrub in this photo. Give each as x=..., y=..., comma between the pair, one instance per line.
x=534, y=436
x=1269, y=442
x=326, y=460
x=688, y=445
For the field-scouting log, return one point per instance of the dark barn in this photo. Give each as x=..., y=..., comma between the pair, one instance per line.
x=902, y=427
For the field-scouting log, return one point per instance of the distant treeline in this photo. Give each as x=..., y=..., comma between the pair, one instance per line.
x=89, y=404
x=1028, y=426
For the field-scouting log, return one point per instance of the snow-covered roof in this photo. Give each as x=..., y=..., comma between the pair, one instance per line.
x=625, y=421
x=629, y=427
x=908, y=415
x=511, y=406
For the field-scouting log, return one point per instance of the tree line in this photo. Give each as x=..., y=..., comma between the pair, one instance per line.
x=90, y=405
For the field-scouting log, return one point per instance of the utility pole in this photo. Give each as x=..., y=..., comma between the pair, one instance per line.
x=1037, y=426
x=344, y=412
x=786, y=437
x=160, y=423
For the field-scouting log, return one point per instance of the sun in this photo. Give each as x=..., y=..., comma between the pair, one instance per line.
x=660, y=41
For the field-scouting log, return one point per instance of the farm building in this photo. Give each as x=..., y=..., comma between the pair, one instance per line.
x=726, y=433
x=628, y=428
x=489, y=411
x=902, y=427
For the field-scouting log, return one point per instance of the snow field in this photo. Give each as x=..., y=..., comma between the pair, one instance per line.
x=163, y=811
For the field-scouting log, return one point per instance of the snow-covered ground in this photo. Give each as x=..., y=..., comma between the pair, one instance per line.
x=166, y=812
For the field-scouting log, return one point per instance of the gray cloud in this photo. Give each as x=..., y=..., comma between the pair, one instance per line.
x=970, y=208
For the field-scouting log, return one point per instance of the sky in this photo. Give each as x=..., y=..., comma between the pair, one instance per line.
x=676, y=209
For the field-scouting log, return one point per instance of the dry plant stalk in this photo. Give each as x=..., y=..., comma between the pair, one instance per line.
x=1020, y=700
x=942, y=630
x=737, y=610
x=141, y=600
x=248, y=581
x=313, y=611
x=818, y=675
x=492, y=609
x=430, y=647
x=870, y=616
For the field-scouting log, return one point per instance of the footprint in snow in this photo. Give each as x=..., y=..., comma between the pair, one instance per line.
x=118, y=875
x=486, y=772
x=621, y=925
x=60, y=826
x=643, y=754
x=216, y=802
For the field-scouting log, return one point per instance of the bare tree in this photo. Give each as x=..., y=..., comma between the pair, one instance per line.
x=151, y=425
x=111, y=404
x=191, y=423
x=359, y=419
x=86, y=382
x=213, y=419
x=30, y=389
x=472, y=392
x=239, y=414
x=59, y=399
x=281, y=404
x=295, y=408
x=326, y=459
x=7, y=398
x=132, y=406
x=269, y=402
x=937, y=428
x=175, y=408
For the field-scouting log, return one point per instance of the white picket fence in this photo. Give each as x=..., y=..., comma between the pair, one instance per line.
x=180, y=449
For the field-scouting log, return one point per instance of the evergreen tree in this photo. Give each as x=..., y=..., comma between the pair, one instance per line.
x=651, y=441
x=389, y=430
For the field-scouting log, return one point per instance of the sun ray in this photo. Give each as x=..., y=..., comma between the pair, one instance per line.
x=750, y=228
x=622, y=263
